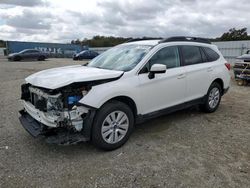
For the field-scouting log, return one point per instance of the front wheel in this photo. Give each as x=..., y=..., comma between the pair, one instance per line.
x=41, y=58
x=213, y=98
x=113, y=125
x=17, y=58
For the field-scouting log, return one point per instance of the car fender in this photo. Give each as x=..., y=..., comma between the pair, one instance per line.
x=100, y=94
x=220, y=72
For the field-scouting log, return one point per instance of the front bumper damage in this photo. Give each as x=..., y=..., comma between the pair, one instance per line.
x=50, y=127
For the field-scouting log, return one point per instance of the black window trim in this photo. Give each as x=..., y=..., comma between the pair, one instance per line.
x=182, y=63
x=202, y=50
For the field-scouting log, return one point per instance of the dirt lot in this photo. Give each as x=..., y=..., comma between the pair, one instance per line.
x=185, y=149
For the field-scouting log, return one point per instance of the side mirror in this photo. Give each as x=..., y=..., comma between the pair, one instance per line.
x=156, y=69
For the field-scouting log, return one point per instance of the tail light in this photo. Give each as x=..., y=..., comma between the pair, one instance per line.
x=228, y=66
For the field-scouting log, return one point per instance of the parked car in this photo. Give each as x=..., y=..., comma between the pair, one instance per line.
x=28, y=54
x=86, y=54
x=130, y=83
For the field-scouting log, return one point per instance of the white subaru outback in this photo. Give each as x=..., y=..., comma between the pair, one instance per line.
x=130, y=83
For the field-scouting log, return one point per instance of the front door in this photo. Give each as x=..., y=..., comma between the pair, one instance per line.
x=166, y=89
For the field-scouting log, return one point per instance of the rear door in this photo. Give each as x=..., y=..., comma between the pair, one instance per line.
x=35, y=54
x=197, y=70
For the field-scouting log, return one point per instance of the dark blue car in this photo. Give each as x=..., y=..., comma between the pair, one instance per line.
x=28, y=54
x=86, y=54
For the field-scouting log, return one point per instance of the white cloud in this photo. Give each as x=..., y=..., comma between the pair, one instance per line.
x=64, y=20
x=28, y=3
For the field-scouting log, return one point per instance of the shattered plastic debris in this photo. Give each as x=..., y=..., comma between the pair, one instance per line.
x=4, y=147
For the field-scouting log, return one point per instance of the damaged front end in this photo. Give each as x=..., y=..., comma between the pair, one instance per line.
x=56, y=114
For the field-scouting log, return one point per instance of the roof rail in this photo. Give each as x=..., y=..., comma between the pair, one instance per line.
x=140, y=39
x=185, y=39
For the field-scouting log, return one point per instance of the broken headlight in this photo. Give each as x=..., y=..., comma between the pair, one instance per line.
x=73, y=99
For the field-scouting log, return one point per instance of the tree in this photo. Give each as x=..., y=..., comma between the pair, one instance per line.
x=235, y=34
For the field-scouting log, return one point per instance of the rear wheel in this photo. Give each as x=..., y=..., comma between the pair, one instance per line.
x=113, y=125
x=213, y=98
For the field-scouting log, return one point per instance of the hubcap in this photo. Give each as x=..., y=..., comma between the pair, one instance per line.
x=214, y=97
x=115, y=127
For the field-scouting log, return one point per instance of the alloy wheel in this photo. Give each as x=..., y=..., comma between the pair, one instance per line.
x=115, y=127
x=214, y=97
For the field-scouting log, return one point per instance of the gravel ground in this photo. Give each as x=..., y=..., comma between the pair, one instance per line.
x=184, y=149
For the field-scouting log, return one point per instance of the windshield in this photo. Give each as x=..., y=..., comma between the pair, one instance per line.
x=82, y=52
x=23, y=51
x=122, y=57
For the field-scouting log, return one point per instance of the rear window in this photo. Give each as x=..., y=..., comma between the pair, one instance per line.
x=211, y=54
x=191, y=55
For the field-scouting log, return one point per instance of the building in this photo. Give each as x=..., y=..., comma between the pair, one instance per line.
x=54, y=49
x=233, y=49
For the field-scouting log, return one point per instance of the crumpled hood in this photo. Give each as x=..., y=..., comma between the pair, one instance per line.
x=63, y=76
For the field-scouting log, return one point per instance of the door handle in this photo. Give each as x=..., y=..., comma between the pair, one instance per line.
x=181, y=76
x=209, y=69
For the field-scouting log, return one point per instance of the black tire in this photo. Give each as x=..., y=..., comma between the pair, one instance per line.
x=102, y=113
x=41, y=58
x=17, y=58
x=206, y=107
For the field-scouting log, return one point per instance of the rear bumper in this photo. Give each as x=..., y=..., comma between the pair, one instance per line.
x=61, y=136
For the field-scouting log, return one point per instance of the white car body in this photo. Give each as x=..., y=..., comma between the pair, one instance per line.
x=176, y=86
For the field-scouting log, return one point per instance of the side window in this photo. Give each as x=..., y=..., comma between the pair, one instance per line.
x=191, y=55
x=30, y=51
x=211, y=54
x=33, y=51
x=168, y=56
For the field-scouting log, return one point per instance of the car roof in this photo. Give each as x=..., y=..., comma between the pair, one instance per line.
x=29, y=49
x=156, y=42
x=180, y=40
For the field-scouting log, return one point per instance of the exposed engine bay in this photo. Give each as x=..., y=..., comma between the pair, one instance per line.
x=55, y=109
